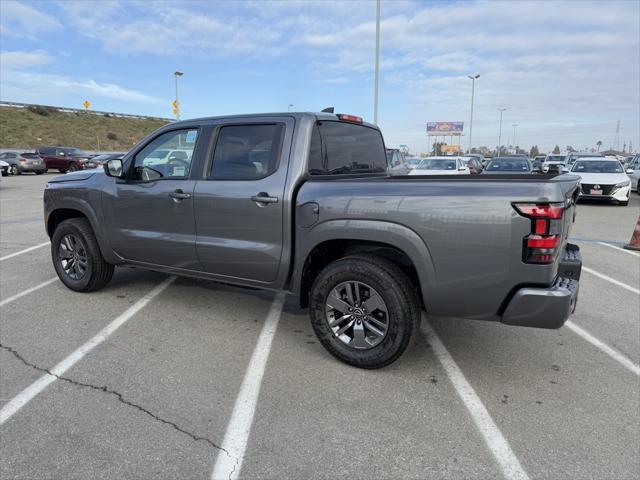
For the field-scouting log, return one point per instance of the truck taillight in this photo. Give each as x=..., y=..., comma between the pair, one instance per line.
x=541, y=245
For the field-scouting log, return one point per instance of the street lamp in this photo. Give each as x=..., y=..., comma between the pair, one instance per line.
x=377, y=69
x=515, y=149
x=500, y=131
x=473, y=87
x=176, y=105
x=289, y=107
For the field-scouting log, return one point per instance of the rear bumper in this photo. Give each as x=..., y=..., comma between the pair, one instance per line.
x=548, y=307
x=31, y=168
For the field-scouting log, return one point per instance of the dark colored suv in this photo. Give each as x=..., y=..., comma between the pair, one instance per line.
x=63, y=159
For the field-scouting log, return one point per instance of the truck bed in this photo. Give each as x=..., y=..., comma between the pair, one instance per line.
x=466, y=227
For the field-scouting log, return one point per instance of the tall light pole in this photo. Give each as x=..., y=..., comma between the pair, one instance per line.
x=500, y=131
x=473, y=87
x=289, y=107
x=515, y=149
x=176, y=103
x=377, y=73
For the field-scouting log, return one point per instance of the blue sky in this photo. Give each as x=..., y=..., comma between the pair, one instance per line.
x=565, y=71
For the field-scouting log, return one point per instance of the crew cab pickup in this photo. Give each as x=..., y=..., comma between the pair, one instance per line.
x=302, y=202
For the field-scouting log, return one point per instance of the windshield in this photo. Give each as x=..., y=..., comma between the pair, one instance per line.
x=597, y=166
x=513, y=165
x=158, y=154
x=437, y=164
x=102, y=158
x=72, y=151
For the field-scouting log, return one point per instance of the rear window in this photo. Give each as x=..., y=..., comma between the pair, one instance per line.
x=339, y=148
x=515, y=165
x=438, y=164
x=29, y=155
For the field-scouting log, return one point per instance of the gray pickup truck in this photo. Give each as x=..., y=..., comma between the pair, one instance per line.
x=302, y=202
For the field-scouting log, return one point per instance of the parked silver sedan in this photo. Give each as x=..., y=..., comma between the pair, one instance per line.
x=20, y=163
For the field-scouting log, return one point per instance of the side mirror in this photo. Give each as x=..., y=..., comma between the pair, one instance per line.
x=629, y=170
x=462, y=169
x=113, y=168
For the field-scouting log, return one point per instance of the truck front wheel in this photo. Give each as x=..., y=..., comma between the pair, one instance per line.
x=364, y=310
x=77, y=258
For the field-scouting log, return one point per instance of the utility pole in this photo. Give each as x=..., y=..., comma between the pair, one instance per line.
x=501, y=110
x=176, y=103
x=377, y=71
x=473, y=87
x=515, y=149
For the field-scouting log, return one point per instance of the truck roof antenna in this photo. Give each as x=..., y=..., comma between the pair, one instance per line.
x=328, y=110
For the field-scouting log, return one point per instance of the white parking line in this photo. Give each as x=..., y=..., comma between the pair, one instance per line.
x=43, y=382
x=27, y=291
x=498, y=445
x=617, y=356
x=615, y=247
x=611, y=280
x=228, y=466
x=6, y=257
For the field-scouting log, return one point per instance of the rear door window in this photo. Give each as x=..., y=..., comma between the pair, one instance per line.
x=339, y=148
x=247, y=152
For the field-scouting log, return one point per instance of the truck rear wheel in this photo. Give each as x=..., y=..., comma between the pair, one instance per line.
x=364, y=310
x=77, y=258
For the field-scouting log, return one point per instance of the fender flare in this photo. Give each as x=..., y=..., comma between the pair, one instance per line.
x=84, y=207
x=393, y=234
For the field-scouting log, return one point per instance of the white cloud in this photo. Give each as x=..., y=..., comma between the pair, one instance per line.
x=24, y=59
x=167, y=29
x=21, y=20
x=41, y=88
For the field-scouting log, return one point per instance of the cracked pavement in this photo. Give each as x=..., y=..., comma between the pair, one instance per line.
x=118, y=395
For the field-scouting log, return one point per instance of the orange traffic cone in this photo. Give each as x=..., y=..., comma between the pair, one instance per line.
x=634, y=243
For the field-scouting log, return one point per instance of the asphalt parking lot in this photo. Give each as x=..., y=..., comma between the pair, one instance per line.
x=168, y=378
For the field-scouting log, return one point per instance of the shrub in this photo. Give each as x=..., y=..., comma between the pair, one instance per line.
x=112, y=136
x=38, y=110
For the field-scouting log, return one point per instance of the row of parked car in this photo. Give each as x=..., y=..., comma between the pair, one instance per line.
x=605, y=178
x=62, y=159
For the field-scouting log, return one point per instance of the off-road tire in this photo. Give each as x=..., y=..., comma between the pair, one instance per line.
x=98, y=272
x=397, y=292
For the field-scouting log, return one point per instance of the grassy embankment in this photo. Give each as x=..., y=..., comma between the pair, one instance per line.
x=30, y=128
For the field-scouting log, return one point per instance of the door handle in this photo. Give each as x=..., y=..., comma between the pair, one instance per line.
x=179, y=195
x=264, y=198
